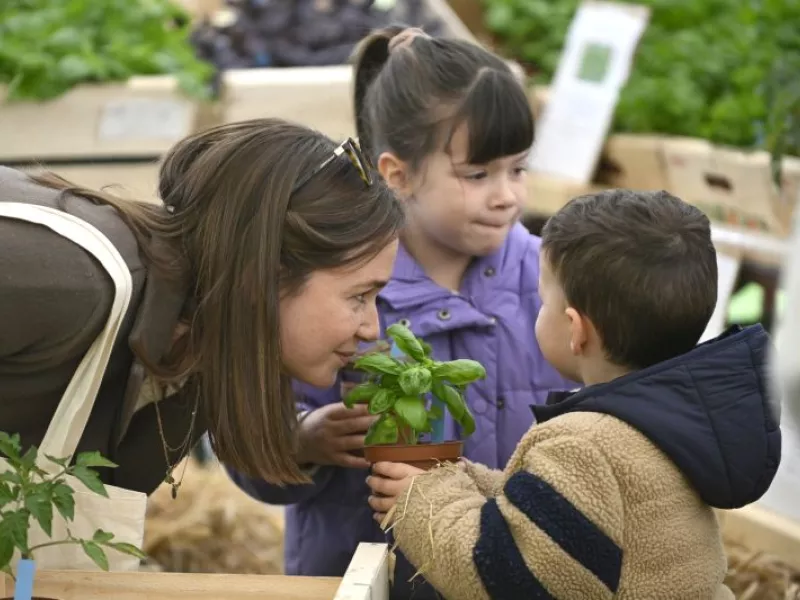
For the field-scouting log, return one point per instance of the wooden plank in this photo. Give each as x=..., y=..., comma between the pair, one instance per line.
x=79, y=585
x=758, y=528
x=367, y=576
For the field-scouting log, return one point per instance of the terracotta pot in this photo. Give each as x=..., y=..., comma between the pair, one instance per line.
x=423, y=456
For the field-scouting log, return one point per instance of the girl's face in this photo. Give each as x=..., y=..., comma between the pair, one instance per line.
x=467, y=209
x=322, y=324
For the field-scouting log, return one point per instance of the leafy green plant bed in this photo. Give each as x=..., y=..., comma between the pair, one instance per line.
x=49, y=46
x=724, y=70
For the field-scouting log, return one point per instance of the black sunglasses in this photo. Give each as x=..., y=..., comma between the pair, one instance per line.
x=357, y=158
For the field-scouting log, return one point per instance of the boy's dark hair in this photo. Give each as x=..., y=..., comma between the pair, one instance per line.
x=411, y=98
x=640, y=266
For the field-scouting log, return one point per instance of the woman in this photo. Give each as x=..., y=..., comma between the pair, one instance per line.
x=262, y=265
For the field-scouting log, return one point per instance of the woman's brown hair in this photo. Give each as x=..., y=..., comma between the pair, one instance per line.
x=412, y=93
x=241, y=237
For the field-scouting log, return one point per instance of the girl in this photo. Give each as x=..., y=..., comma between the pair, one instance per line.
x=254, y=271
x=449, y=127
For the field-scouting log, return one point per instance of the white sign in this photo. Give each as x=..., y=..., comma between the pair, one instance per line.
x=727, y=273
x=594, y=67
x=145, y=119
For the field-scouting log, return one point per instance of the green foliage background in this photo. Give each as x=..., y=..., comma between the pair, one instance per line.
x=48, y=46
x=724, y=70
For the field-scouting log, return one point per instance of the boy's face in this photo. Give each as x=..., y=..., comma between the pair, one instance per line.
x=554, y=328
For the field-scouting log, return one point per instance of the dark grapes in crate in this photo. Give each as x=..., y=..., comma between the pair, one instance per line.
x=295, y=33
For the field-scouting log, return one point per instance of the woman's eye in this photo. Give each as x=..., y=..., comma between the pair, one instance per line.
x=361, y=298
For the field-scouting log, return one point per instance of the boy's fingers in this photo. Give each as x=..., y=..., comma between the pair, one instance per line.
x=393, y=470
x=381, y=505
x=386, y=487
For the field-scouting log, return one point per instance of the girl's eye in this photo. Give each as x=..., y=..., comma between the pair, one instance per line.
x=475, y=176
x=520, y=170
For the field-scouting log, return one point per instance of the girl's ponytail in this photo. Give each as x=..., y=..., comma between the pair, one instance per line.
x=371, y=55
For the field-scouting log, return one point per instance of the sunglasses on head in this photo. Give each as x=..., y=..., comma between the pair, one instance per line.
x=357, y=158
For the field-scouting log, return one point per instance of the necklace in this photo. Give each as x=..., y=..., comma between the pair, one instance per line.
x=181, y=449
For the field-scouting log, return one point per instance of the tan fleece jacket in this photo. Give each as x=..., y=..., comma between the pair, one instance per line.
x=587, y=508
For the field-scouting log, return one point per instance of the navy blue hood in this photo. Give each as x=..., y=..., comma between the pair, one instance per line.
x=706, y=409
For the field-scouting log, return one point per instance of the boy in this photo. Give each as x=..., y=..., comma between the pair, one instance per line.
x=610, y=495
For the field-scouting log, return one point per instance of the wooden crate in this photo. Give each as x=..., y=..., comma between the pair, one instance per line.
x=141, y=118
x=367, y=578
x=760, y=529
x=733, y=187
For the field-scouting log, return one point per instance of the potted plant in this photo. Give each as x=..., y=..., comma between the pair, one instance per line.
x=27, y=491
x=409, y=392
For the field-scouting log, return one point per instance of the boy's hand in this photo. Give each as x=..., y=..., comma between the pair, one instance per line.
x=330, y=434
x=388, y=480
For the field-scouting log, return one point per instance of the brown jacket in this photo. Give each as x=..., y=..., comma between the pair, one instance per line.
x=54, y=300
x=611, y=494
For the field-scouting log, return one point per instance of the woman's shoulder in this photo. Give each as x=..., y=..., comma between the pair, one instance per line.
x=16, y=186
x=52, y=291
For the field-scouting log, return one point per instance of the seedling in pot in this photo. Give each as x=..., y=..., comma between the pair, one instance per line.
x=29, y=492
x=399, y=390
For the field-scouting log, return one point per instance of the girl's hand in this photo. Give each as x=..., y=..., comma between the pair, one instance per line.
x=388, y=481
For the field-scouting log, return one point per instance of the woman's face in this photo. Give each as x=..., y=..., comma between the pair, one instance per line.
x=322, y=324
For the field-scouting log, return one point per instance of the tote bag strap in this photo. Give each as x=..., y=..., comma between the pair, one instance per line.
x=72, y=414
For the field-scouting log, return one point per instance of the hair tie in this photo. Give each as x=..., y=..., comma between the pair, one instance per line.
x=405, y=37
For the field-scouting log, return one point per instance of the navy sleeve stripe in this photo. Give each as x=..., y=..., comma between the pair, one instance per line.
x=499, y=563
x=566, y=526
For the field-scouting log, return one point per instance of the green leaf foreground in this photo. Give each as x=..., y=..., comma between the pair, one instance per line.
x=27, y=492
x=399, y=390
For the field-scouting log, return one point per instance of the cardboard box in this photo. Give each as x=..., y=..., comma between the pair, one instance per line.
x=141, y=118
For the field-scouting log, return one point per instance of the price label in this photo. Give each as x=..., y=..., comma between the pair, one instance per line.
x=145, y=119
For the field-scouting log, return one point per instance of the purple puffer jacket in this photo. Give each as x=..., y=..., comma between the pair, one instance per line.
x=492, y=320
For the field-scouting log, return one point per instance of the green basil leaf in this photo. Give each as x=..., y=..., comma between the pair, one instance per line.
x=411, y=409
x=361, y=394
x=456, y=405
x=406, y=341
x=460, y=372
x=381, y=402
x=379, y=363
x=415, y=381
x=382, y=431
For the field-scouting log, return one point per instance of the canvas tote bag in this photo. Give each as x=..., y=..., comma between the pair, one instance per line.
x=123, y=512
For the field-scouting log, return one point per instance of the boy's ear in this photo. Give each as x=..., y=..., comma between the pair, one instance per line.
x=395, y=173
x=579, y=331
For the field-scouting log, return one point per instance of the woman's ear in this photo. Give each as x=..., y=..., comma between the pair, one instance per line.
x=395, y=173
